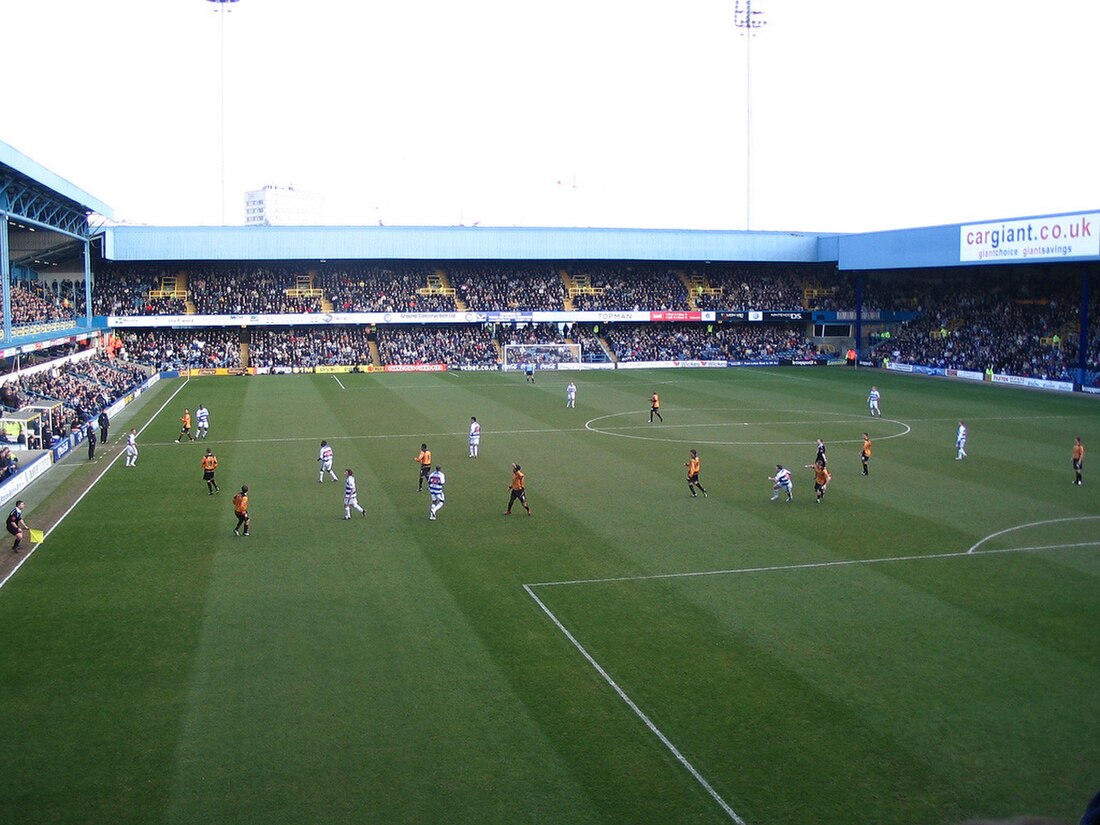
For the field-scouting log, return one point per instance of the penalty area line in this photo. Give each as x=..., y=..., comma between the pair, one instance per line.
x=338, y=381
x=630, y=703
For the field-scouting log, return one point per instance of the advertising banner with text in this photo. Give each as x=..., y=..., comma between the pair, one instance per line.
x=1059, y=237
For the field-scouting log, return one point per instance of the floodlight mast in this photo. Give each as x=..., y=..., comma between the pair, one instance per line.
x=748, y=19
x=222, y=7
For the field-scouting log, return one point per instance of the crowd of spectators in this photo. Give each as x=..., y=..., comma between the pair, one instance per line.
x=491, y=286
x=983, y=320
x=32, y=302
x=761, y=286
x=248, y=290
x=393, y=288
x=632, y=287
x=470, y=345
x=707, y=342
x=123, y=289
x=309, y=347
x=176, y=349
x=84, y=388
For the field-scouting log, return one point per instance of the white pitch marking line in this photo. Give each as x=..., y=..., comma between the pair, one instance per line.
x=80, y=498
x=637, y=710
x=337, y=380
x=529, y=589
x=975, y=547
x=816, y=565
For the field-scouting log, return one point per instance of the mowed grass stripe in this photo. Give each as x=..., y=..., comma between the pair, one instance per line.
x=352, y=686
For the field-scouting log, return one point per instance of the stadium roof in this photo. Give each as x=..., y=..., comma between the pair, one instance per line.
x=128, y=243
x=61, y=189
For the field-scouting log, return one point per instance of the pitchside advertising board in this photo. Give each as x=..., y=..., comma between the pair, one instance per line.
x=1027, y=239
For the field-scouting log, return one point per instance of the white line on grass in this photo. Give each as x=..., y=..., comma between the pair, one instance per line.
x=529, y=588
x=637, y=710
x=46, y=534
x=337, y=380
x=975, y=547
x=819, y=564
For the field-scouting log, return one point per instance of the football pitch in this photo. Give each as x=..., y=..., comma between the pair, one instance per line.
x=921, y=647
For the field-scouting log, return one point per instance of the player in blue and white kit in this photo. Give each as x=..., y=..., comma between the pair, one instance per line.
x=571, y=395
x=960, y=442
x=202, y=421
x=351, y=496
x=475, y=437
x=435, y=489
x=872, y=401
x=325, y=457
x=782, y=481
x=131, y=449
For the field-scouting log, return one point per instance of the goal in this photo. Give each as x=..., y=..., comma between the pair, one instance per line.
x=540, y=356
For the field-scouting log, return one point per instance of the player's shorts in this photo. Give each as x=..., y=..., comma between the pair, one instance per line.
x=693, y=478
x=518, y=495
x=131, y=449
x=475, y=440
x=351, y=501
x=326, y=466
x=818, y=487
x=864, y=456
x=207, y=475
x=185, y=430
x=425, y=470
x=14, y=530
x=1077, y=464
x=438, y=498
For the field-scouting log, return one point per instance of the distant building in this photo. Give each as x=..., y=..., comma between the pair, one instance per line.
x=283, y=206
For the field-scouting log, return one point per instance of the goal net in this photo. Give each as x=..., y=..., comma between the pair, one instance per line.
x=540, y=356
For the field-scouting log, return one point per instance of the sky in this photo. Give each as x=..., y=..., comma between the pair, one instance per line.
x=833, y=116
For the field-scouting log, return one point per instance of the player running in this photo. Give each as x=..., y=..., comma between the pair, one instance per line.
x=655, y=408
x=325, y=456
x=202, y=421
x=822, y=477
x=351, y=496
x=782, y=481
x=185, y=429
x=435, y=489
x=693, y=475
x=865, y=452
x=131, y=449
x=240, y=510
x=518, y=490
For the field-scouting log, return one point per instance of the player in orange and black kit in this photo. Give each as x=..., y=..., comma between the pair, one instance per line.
x=425, y=462
x=240, y=509
x=185, y=430
x=209, y=465
x=655, y=408
x=865, y=452
x=518, y=491
x=1078, y=460
x=693, y=475
x=822, y=477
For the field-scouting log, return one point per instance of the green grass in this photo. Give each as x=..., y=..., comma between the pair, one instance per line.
x=395, y=670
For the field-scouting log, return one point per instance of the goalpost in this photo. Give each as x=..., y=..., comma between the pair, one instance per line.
x=540, y=356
